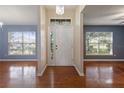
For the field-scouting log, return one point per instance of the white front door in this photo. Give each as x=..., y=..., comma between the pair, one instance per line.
x=62, y=45
x=63, y=54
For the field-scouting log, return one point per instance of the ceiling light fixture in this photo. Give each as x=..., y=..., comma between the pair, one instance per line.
x=60, y=9
x=1, y=24
x=122, y=22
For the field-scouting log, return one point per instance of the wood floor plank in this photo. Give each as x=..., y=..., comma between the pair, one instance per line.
x=97, y=74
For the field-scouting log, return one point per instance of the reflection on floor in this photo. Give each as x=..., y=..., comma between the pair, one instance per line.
x=17, y=74
x=97, y=74
x=104, y=74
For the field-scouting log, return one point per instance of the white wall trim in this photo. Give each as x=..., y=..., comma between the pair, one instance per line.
x=79, y=73
x=60, y=65
x=18, y=59
x=104, y=60
x=43, y=70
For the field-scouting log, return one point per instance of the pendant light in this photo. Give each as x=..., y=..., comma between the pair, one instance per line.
x=59, y=9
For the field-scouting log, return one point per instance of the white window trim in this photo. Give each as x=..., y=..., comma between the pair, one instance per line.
x=98, y=53
x=24, y=43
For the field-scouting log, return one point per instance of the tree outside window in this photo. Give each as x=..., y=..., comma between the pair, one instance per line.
x=22, y=43
x=99, y=43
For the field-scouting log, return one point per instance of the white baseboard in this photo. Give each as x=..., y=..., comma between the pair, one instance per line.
x=43, y=70
x=18, y=59
x=104, y=60
x=79, y=73
x=61, y=65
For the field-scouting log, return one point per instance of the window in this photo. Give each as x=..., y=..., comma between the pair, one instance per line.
x=99, y=43
x=60, y=21
x=21, y=43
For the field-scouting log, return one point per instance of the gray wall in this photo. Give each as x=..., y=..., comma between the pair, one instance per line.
x=4, y=42
x=118, y=41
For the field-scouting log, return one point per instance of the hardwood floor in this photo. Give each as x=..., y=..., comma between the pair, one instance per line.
x=97, y=74
x=104, y=74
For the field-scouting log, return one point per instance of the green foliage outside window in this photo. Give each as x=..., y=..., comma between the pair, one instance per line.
x=99, y=43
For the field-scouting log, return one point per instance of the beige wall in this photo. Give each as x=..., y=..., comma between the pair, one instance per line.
x=68, y=14
x=78, y=41
x=43, y=56
x=77, y=22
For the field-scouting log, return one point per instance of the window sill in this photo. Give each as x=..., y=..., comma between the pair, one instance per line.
x=99, y=55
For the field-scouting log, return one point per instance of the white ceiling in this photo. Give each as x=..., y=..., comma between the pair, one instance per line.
x=66, y=7
x=104, y=15
x=19, y=15
x=24, y=14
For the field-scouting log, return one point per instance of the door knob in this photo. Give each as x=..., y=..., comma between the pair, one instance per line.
x=56, y=47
